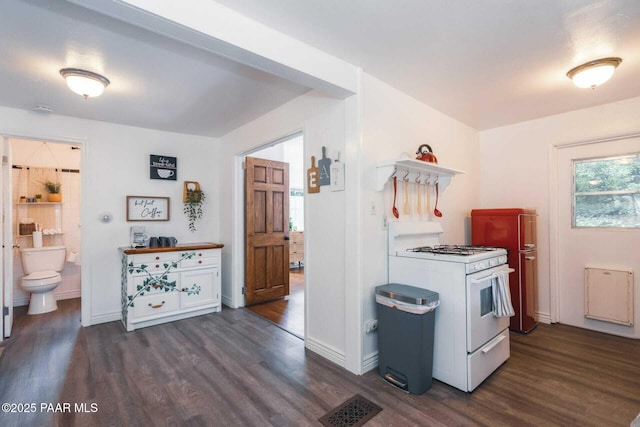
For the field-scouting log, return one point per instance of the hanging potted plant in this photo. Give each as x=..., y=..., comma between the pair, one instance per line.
x=53, y=188
x=193, y=198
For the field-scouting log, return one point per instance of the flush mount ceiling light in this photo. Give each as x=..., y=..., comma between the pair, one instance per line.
x=84, y=83
x=594, y=73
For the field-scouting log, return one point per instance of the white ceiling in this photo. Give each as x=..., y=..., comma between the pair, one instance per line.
x=156, y=82
x=486, y=63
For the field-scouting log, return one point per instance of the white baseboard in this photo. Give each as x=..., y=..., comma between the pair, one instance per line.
x=325, y=351
x=105, y=318
x=227, y=301
x=19, y=302
x=74, y=293
x=543, y=317
x=370, y=362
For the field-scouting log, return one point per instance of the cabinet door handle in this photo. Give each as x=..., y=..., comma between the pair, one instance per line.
x=157, y=265
x=157, y=258
x=156, y=305
x=529, y=258
x=199, y=261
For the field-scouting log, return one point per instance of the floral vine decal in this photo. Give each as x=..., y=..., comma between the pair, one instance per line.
x=161, y=280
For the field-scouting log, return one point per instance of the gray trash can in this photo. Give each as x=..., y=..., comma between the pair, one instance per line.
x=406, y=317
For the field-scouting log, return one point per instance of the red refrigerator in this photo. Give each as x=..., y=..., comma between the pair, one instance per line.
x=515, y=230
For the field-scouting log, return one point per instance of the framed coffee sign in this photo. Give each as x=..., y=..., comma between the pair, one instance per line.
x=163, y=167
x=144, y=208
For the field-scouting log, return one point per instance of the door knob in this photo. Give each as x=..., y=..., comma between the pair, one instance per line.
x=286, y=237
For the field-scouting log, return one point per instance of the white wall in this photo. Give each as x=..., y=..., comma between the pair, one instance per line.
x=394, y=123
x=515, y=166
x=116, y=164
x=322, y=120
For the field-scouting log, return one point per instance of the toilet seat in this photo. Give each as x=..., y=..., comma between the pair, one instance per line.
x=40, y=278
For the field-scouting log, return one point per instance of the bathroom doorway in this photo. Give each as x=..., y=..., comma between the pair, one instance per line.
x=288, y=312
x=44, y=194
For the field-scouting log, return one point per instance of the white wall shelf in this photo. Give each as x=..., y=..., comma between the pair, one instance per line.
x=49, y=214
x=413, y=169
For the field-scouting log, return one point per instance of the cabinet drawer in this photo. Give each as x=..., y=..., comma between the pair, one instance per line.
x=154, y=262
x=202, y=258
x=209, y=281
x=296, y=237
x=138, y=280
x=151, y=305
x=486, y=359
x=296, y=247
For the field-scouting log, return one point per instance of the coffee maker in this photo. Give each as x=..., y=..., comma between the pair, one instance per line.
x=138, y=237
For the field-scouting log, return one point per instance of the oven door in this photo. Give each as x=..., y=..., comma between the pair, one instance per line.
x=482, y=325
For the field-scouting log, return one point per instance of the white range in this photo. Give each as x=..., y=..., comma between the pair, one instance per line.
x=469, y=341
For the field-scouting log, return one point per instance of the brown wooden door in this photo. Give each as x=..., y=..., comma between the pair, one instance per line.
x=266, y=230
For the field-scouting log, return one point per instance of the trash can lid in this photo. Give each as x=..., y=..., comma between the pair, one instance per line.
x=408, y=294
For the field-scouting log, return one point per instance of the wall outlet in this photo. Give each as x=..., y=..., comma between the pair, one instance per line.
x=370, y=326
x=373, y=208
x=385, y=223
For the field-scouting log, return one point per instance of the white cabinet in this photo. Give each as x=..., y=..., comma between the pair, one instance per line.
x=191, y=284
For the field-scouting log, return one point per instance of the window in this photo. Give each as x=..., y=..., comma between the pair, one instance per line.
x=606, y=192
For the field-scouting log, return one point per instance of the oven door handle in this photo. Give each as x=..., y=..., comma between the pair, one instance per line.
x=491, y=276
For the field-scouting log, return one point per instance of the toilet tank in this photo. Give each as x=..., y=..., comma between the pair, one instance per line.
x=48, y=258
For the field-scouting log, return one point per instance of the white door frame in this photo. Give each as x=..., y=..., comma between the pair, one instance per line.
x=85, y=268
x=6, y=235
x=237, y=281
x=554, y=232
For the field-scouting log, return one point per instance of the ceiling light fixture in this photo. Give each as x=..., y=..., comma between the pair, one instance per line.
x=84, y=83
x=594, y=73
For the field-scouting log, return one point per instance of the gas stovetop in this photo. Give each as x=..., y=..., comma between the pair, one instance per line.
x=454, y=253
x=463, y=250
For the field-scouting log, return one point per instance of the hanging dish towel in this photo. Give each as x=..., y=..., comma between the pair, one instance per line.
x=502, y=296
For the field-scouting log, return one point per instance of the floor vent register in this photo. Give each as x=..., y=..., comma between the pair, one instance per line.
x=354, y=412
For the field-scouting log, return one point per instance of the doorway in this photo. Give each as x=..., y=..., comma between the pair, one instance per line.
x=40, y=173
x=287, y=312
x=598, y=226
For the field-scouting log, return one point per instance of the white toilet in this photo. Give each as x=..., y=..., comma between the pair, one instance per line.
x=42, y=266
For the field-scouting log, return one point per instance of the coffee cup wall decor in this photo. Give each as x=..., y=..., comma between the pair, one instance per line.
x=165, y=173
x=163, y=167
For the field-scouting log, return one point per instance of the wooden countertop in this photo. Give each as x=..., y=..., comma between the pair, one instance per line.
x=179, y=247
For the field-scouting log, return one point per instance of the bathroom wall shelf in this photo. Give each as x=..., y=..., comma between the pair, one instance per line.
x=413, y=169
x=39, y=203
x=43, y=236
x=49, y=214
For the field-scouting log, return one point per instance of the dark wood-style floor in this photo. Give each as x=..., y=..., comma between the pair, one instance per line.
x=235, y=368
x=287, y=312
